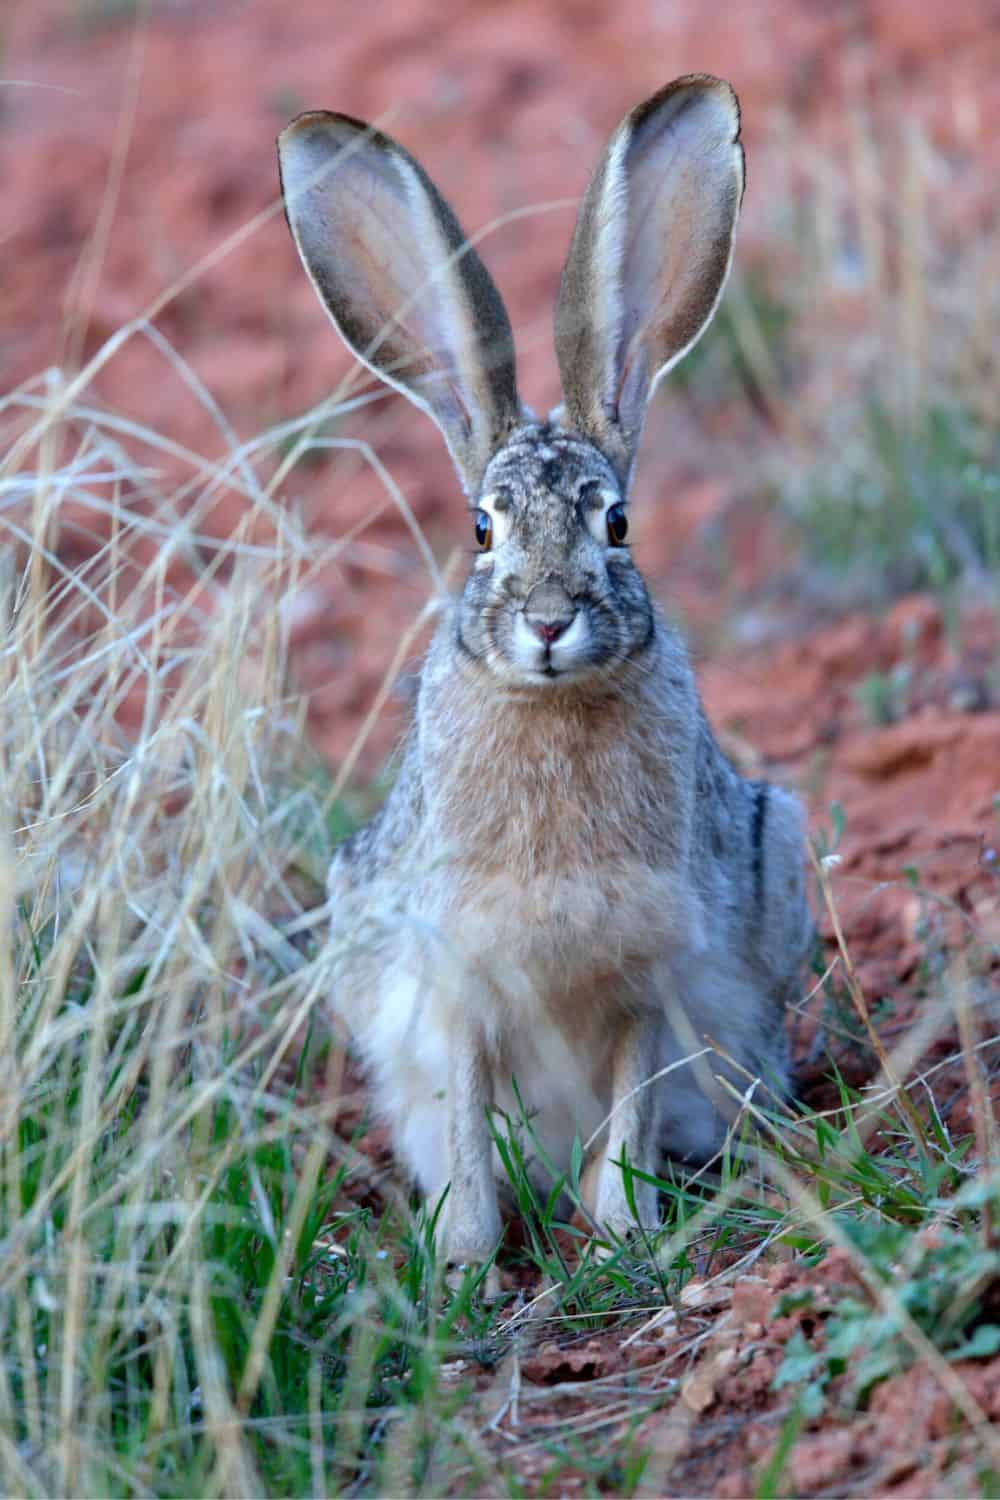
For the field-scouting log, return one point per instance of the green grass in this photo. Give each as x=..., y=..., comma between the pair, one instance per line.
x=362, y=1328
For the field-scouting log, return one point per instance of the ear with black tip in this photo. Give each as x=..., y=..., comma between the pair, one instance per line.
x=649, y=257
x=405, y=290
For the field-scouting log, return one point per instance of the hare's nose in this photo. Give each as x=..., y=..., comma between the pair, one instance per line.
x=549, y=611
x=550, y=630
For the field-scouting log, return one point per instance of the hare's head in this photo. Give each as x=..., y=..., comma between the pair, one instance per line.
x=552, y=594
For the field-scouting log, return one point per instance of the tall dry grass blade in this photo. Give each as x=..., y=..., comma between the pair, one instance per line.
x=858, y=998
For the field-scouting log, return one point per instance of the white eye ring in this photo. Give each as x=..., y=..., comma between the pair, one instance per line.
x=597, y=519
x=499, y=520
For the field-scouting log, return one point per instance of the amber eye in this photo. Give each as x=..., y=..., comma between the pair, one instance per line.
x=617, y=525
x=484, y=530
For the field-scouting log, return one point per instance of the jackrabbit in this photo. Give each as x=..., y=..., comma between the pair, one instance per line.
x=569, y=892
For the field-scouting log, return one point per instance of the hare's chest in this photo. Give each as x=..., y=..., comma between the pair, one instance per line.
x=552, y=789
x=564, y=849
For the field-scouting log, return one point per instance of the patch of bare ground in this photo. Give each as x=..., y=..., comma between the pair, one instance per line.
x=704, y=1375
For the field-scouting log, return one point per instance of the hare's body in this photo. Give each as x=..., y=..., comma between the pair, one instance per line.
x=540, y=872
x=570, y=902
x=550, y=842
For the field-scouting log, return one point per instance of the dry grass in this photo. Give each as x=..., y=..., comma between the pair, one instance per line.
x=160, y=858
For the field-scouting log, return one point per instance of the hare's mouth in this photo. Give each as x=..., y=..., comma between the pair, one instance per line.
x=548, y=651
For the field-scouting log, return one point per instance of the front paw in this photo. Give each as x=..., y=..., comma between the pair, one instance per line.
x=468, y=1240
x=611, y=1236
x=488, y=1288
x=613, y=1213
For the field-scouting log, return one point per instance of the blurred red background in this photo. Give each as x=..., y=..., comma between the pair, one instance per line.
x=507, y=106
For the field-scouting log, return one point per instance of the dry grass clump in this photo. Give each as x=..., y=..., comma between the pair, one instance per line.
x=157, y=855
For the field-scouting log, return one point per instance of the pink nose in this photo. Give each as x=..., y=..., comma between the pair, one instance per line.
x=548, y=610
x=549, y=630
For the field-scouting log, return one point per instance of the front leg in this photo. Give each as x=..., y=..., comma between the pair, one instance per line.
x=471, y=1215
x=633, y=1130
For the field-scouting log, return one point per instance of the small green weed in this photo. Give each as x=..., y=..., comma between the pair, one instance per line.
x=947, y=1283
x=922, y=510
x=884, y=696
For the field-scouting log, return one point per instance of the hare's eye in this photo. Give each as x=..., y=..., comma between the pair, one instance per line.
x=484, y=530
x=617, y=525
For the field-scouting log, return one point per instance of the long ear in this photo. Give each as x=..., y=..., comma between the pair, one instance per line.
x=404, y=289
x=649, y=257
